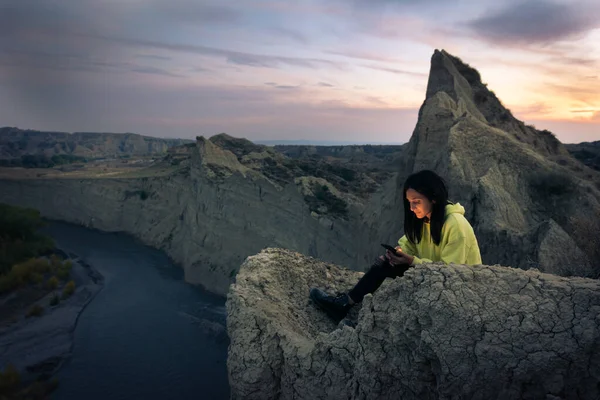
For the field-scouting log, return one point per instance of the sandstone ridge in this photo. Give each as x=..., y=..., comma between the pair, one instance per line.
x=480, y=332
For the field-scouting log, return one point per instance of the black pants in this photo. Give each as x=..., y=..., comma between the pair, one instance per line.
x=375, y=276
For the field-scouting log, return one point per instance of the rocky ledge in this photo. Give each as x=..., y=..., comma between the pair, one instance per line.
x=456, y=331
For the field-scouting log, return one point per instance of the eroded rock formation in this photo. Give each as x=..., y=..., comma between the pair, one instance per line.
x=476, y=332
x=520, y=187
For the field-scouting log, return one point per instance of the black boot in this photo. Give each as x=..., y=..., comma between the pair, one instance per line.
x=336, y=307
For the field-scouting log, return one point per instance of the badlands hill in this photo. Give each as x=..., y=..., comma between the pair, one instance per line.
x=212, y=203
x=15, y=143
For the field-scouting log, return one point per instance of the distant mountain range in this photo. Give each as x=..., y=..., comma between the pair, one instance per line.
x=307, y=142
x=15, y=143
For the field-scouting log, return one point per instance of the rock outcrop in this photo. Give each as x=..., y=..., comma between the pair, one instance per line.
x=211, y=210
x=440, y=331
x=519, y=185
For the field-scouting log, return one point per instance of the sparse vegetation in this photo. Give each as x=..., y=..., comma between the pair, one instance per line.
x=19, y=237
x=325, y=202
x=68, y=290
x=30, y=271
x=35, y=311
x=42, y=161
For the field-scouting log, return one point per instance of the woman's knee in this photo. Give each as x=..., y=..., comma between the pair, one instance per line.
x=380, y=263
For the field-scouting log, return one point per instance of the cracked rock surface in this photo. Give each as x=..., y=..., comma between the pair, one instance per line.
x=441, y=331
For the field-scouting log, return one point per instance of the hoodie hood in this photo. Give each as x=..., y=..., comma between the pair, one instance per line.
x=455, y=209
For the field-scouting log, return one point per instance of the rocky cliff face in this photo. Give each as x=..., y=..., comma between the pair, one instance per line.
x=210, y=210
x=530, y=202
x=16, y=142
x=480, y=332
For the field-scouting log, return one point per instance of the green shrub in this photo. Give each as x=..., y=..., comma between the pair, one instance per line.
x=52, y=283
x=54, y=300
x=68, y=290
x=35, y=311
x=10, y=379
x=21, y=273
x=30, y=271
x=19, y=237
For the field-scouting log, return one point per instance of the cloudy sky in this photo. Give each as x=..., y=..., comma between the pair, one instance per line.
x=347, y=70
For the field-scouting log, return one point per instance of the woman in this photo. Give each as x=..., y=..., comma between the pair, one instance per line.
x=435, y=230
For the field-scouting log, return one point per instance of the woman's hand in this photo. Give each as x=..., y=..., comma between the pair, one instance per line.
x=399, y=257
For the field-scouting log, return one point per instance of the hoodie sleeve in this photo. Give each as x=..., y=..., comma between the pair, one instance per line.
x=453, y=252
x=407, y=246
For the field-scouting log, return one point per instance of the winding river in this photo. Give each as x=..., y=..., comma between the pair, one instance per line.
x=147, y=334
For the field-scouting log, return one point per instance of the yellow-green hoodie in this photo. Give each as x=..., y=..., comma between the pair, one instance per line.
x=458, y=243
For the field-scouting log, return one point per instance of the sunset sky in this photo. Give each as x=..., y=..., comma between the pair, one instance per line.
x=336, y=70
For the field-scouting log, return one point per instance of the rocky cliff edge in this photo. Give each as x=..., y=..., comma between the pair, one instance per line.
x=456, y=331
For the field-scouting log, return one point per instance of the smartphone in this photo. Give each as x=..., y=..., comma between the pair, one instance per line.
x=390, y=248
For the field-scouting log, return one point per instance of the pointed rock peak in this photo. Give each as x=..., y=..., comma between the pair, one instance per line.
x=452, y=76
x=447, y=73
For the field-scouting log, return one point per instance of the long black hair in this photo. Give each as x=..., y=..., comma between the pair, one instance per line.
x=432, y=186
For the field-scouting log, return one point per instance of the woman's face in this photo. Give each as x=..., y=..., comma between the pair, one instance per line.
x=419, y=204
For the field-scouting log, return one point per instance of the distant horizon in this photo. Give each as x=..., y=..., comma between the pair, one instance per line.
x=300, y=141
